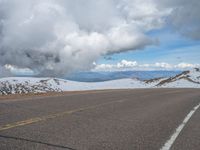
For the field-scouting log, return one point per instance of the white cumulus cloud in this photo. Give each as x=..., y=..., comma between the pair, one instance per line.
x=55, y=37
x=125, y=65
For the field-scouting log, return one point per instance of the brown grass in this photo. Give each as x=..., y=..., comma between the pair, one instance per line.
x=48, y=94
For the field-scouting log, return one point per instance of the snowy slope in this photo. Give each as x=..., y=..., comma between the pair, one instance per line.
x=14, y=85
x=190, y=79
x=113, y=84
x=41, y=85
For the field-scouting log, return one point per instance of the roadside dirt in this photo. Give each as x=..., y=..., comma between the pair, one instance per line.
x=48, y=94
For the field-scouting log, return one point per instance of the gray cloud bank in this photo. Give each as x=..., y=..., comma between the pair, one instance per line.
x=55, y=37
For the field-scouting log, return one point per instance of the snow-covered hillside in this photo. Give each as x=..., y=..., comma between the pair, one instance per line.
x=14, y=85
x=41, y=85
x=190, y=79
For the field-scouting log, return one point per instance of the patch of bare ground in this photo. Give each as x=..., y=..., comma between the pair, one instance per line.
x=27, y=95
x=152, y=80
x=48, y=94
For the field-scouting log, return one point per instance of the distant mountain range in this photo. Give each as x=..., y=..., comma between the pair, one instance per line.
x=106, y=76
x=13, y=85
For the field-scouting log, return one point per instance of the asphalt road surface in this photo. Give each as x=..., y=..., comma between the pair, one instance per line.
x=141, y=119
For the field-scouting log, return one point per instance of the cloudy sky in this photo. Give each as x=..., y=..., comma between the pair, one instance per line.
x=57, y=37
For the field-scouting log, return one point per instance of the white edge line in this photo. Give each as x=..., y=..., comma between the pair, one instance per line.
x=172, y=139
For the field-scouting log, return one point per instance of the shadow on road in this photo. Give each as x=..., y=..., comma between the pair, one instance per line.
x=34, y=141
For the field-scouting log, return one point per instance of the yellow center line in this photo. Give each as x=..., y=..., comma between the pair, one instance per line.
x=44, y=118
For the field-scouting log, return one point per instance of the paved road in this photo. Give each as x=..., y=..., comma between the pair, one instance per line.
x=142, y=119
